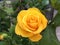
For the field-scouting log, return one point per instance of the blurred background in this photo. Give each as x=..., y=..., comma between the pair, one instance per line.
x=9, y=10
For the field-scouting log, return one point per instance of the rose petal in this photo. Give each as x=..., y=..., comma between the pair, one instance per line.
x=21, y=32
x=20, y=20
x=39, y=30
x=43, y=24
x=35, y=38
x=26, y=23
x=44, y=21
x=21, y=14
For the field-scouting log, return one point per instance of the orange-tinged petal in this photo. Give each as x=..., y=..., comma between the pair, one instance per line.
x=39, y=30
x=35, y=38
x=29, y=23
x=43, y=24
x=21, y=32
x=32, y=12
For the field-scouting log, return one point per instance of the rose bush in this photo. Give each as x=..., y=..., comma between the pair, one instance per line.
x=30, y=23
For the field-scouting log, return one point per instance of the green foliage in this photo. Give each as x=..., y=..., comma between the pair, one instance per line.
x=3, y=14
x=57, y=20
x=49, y=36
x=8, y=20
x=4, y=21
x=56, y=4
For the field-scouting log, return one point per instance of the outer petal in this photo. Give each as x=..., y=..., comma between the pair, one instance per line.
x=21, y=14
x=20, y=20
x=44, y=21
x=43, y=24
x=21, y=32
x=35, y=38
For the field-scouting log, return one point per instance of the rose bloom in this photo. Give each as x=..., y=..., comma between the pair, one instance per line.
x=30, y=23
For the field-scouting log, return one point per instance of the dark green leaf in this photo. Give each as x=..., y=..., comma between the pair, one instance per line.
x=49, y=36
x=12, y=29
x=57, y=19
x=3, y=14
x=3, y=43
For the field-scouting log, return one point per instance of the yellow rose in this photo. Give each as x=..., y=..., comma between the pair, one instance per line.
x=30, y=23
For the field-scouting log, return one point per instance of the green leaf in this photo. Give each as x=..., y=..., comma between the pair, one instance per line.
x=3, y=43
x=55, y=4
x=15, y=4
x=45, y=2
x=4, y=20
x=3, y=14
x=12, y=29
x=49, y=36
x=57, y=19
x=8, y=10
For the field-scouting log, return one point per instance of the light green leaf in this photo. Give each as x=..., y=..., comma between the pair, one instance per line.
x=45, y=2
x=8, y=10
x=55, y=4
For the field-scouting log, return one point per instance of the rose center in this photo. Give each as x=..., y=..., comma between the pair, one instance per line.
x=32, y=22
